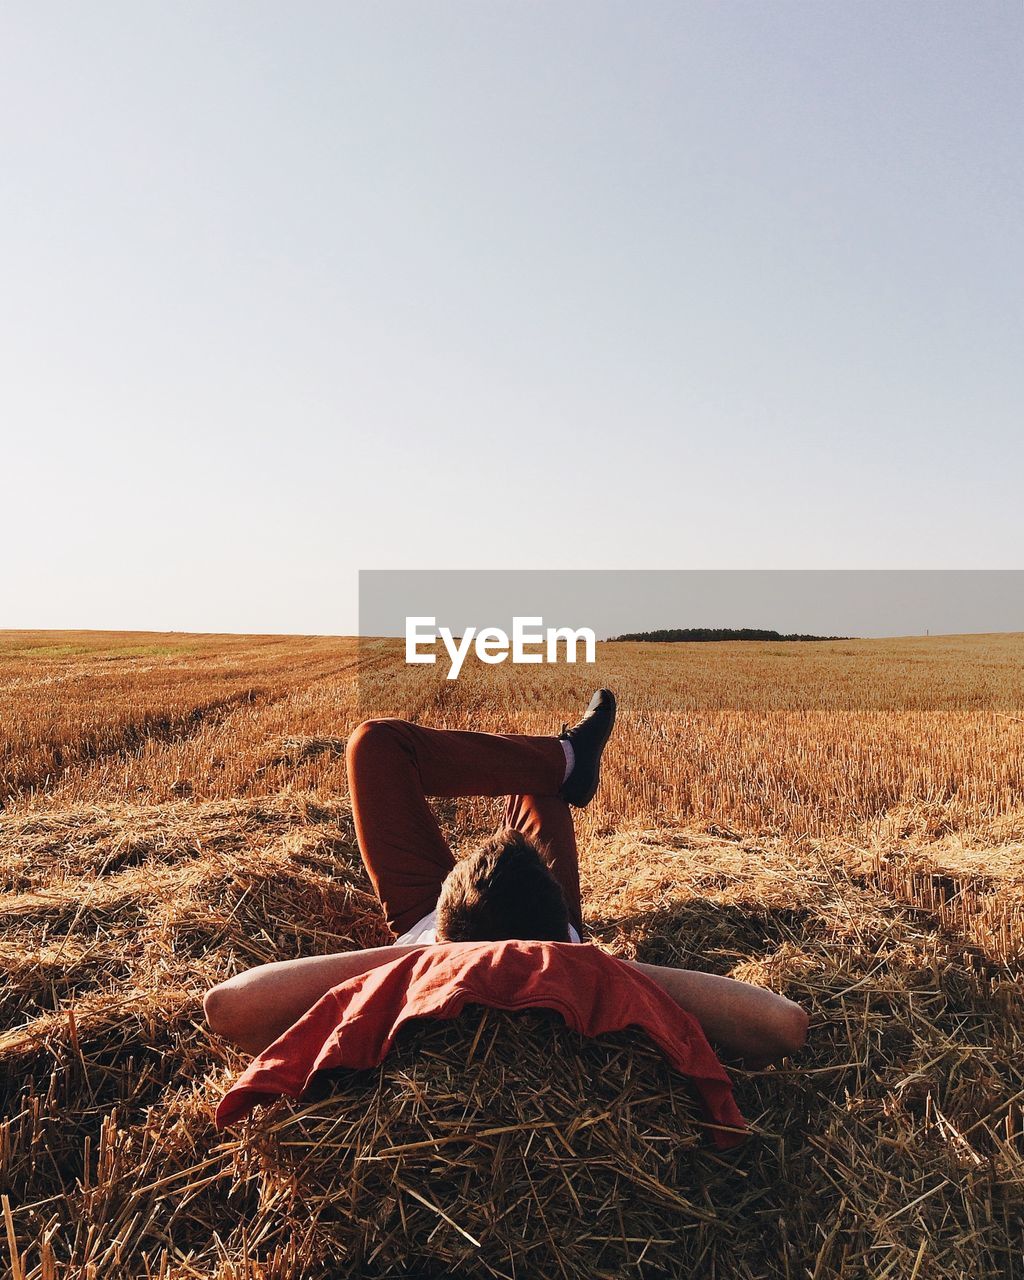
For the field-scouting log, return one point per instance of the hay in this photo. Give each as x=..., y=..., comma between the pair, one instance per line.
x=297, y=750
x=893, y=1147
x=497, y=1144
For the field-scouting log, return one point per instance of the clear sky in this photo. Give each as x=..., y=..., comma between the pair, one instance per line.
x=289, y=290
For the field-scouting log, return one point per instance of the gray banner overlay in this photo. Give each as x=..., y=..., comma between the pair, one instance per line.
x=886, y=664
x=859, y=603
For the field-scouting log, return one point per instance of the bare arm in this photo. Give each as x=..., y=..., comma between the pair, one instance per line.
x=745, y=1020
x=253, y=1008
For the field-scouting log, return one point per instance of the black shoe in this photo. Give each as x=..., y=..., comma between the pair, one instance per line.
x=588, y=739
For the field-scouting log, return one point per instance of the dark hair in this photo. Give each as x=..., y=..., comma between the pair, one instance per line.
x=502, y=890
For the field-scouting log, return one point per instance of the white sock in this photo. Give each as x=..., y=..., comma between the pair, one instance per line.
x=570, y=759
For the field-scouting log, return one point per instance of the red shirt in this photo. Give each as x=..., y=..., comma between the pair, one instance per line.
x=354, y=1024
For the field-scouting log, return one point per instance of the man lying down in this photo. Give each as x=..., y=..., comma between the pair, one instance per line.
x=522, y=883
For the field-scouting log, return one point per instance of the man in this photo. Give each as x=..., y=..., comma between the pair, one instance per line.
x=521, y=883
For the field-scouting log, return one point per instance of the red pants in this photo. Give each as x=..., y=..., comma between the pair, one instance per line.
x=394, y=765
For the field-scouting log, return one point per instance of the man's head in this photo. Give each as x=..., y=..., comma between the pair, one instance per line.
x=502, y=890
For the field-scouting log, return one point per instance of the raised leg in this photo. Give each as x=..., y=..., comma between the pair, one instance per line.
x=547, y=822
x=393, y=766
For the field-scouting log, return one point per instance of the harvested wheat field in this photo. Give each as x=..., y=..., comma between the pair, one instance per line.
x=842, y=822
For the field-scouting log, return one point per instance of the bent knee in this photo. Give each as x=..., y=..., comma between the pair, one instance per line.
x=368, y=739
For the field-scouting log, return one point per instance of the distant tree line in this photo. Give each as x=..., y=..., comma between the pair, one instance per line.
x=716, y=633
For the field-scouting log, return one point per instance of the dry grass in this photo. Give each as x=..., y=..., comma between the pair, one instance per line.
x=176, y=811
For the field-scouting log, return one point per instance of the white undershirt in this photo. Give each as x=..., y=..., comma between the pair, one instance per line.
x=425, y=930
